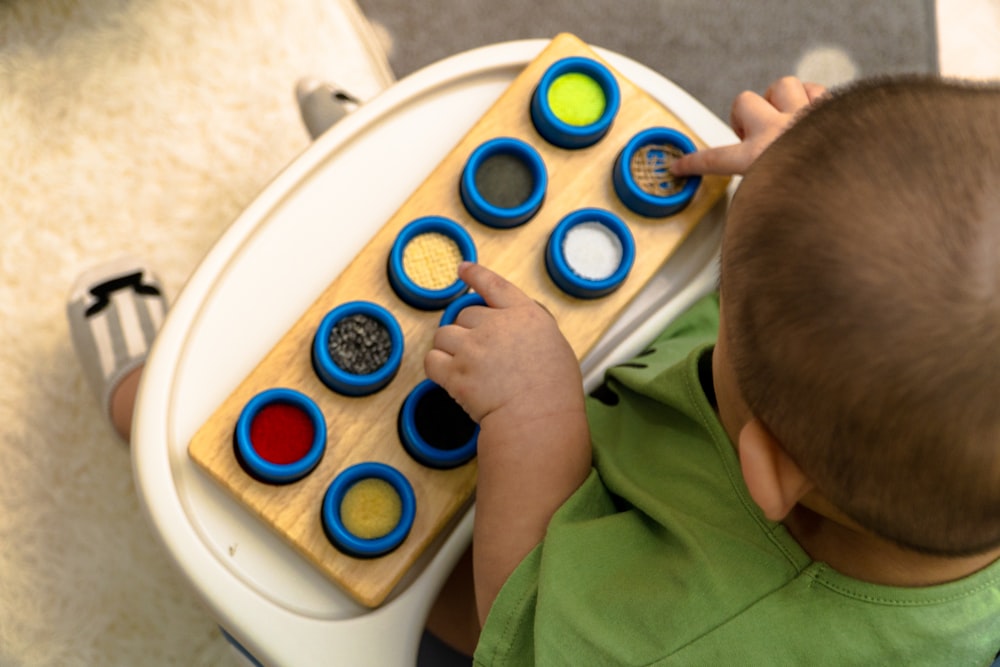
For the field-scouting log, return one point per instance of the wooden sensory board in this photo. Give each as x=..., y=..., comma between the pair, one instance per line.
x=364, y=429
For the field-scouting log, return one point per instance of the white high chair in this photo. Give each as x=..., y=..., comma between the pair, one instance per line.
x=262, y=274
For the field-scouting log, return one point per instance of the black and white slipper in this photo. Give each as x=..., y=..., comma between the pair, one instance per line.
x=114, y=310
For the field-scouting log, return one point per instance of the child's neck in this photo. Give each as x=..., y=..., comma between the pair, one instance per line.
x=867, y=557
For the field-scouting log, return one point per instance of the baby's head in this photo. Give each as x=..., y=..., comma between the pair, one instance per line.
x=861, y=307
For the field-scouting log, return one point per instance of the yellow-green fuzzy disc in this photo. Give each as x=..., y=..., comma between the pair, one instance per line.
x=576, y=99
x=371, y=508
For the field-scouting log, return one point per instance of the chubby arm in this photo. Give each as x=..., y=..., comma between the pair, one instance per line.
x=514, y=373
x=757, y=121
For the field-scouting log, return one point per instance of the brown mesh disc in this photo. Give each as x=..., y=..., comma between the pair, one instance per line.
x=650, y=170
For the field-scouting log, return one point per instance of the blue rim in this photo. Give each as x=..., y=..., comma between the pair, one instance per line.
x=279, y=473
x=344, y=382
x=632, y=195
x=450, y=313
x=488, y=213
x=409, y=291
x=564, y=276
x=334, y=527
x=561, y=133
x=423, y=451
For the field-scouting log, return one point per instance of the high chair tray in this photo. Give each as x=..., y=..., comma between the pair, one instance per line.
x=268, y=268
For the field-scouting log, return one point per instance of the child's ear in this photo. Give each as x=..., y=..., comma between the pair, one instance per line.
x=775, y=481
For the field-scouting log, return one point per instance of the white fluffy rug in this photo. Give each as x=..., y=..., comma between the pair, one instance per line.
x=141, y=127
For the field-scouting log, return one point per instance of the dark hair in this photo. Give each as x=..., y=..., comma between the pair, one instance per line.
x=861, y=286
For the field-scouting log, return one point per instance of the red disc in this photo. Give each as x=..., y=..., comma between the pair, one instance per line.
x=281, y=433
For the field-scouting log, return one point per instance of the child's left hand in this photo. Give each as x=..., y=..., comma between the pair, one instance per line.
x=509, y=360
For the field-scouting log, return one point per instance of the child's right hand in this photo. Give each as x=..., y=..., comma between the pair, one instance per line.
x=757, y=121
x=508, y=359
x=511, y=369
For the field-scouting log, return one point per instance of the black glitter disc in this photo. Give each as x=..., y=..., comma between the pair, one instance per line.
x=359, y=344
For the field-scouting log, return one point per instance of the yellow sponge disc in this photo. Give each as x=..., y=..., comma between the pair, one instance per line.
x=371, y=508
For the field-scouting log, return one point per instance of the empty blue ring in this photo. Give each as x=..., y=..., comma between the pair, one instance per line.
x=279, y=473
x=489, y=213
x=421, y=450
x=333, y=524
x=344, y=382
x=557, y=131
x=635, y=197
x=409, y=291
x=561, y=272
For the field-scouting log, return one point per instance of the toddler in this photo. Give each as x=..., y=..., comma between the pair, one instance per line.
x=802, y=469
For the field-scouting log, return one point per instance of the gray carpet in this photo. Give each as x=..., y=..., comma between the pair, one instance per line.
x=711, y=48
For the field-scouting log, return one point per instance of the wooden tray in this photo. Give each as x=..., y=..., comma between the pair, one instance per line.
x=364, y=429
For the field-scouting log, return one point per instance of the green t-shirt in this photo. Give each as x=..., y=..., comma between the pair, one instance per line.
x=662, y=558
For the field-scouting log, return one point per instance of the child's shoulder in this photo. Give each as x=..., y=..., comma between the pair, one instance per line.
x=675, y=348
x=700, y=320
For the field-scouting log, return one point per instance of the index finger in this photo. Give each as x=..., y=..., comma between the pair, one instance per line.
x=495, y=289
x=724, y=160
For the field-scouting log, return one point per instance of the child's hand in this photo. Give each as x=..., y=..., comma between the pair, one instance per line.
x=512, y=371
x=757, y=121
x=509, y=359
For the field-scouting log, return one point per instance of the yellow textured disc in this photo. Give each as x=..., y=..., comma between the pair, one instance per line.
x=431, y=261
x=371, y=508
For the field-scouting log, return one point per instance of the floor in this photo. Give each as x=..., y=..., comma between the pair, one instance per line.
x=969, y=38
